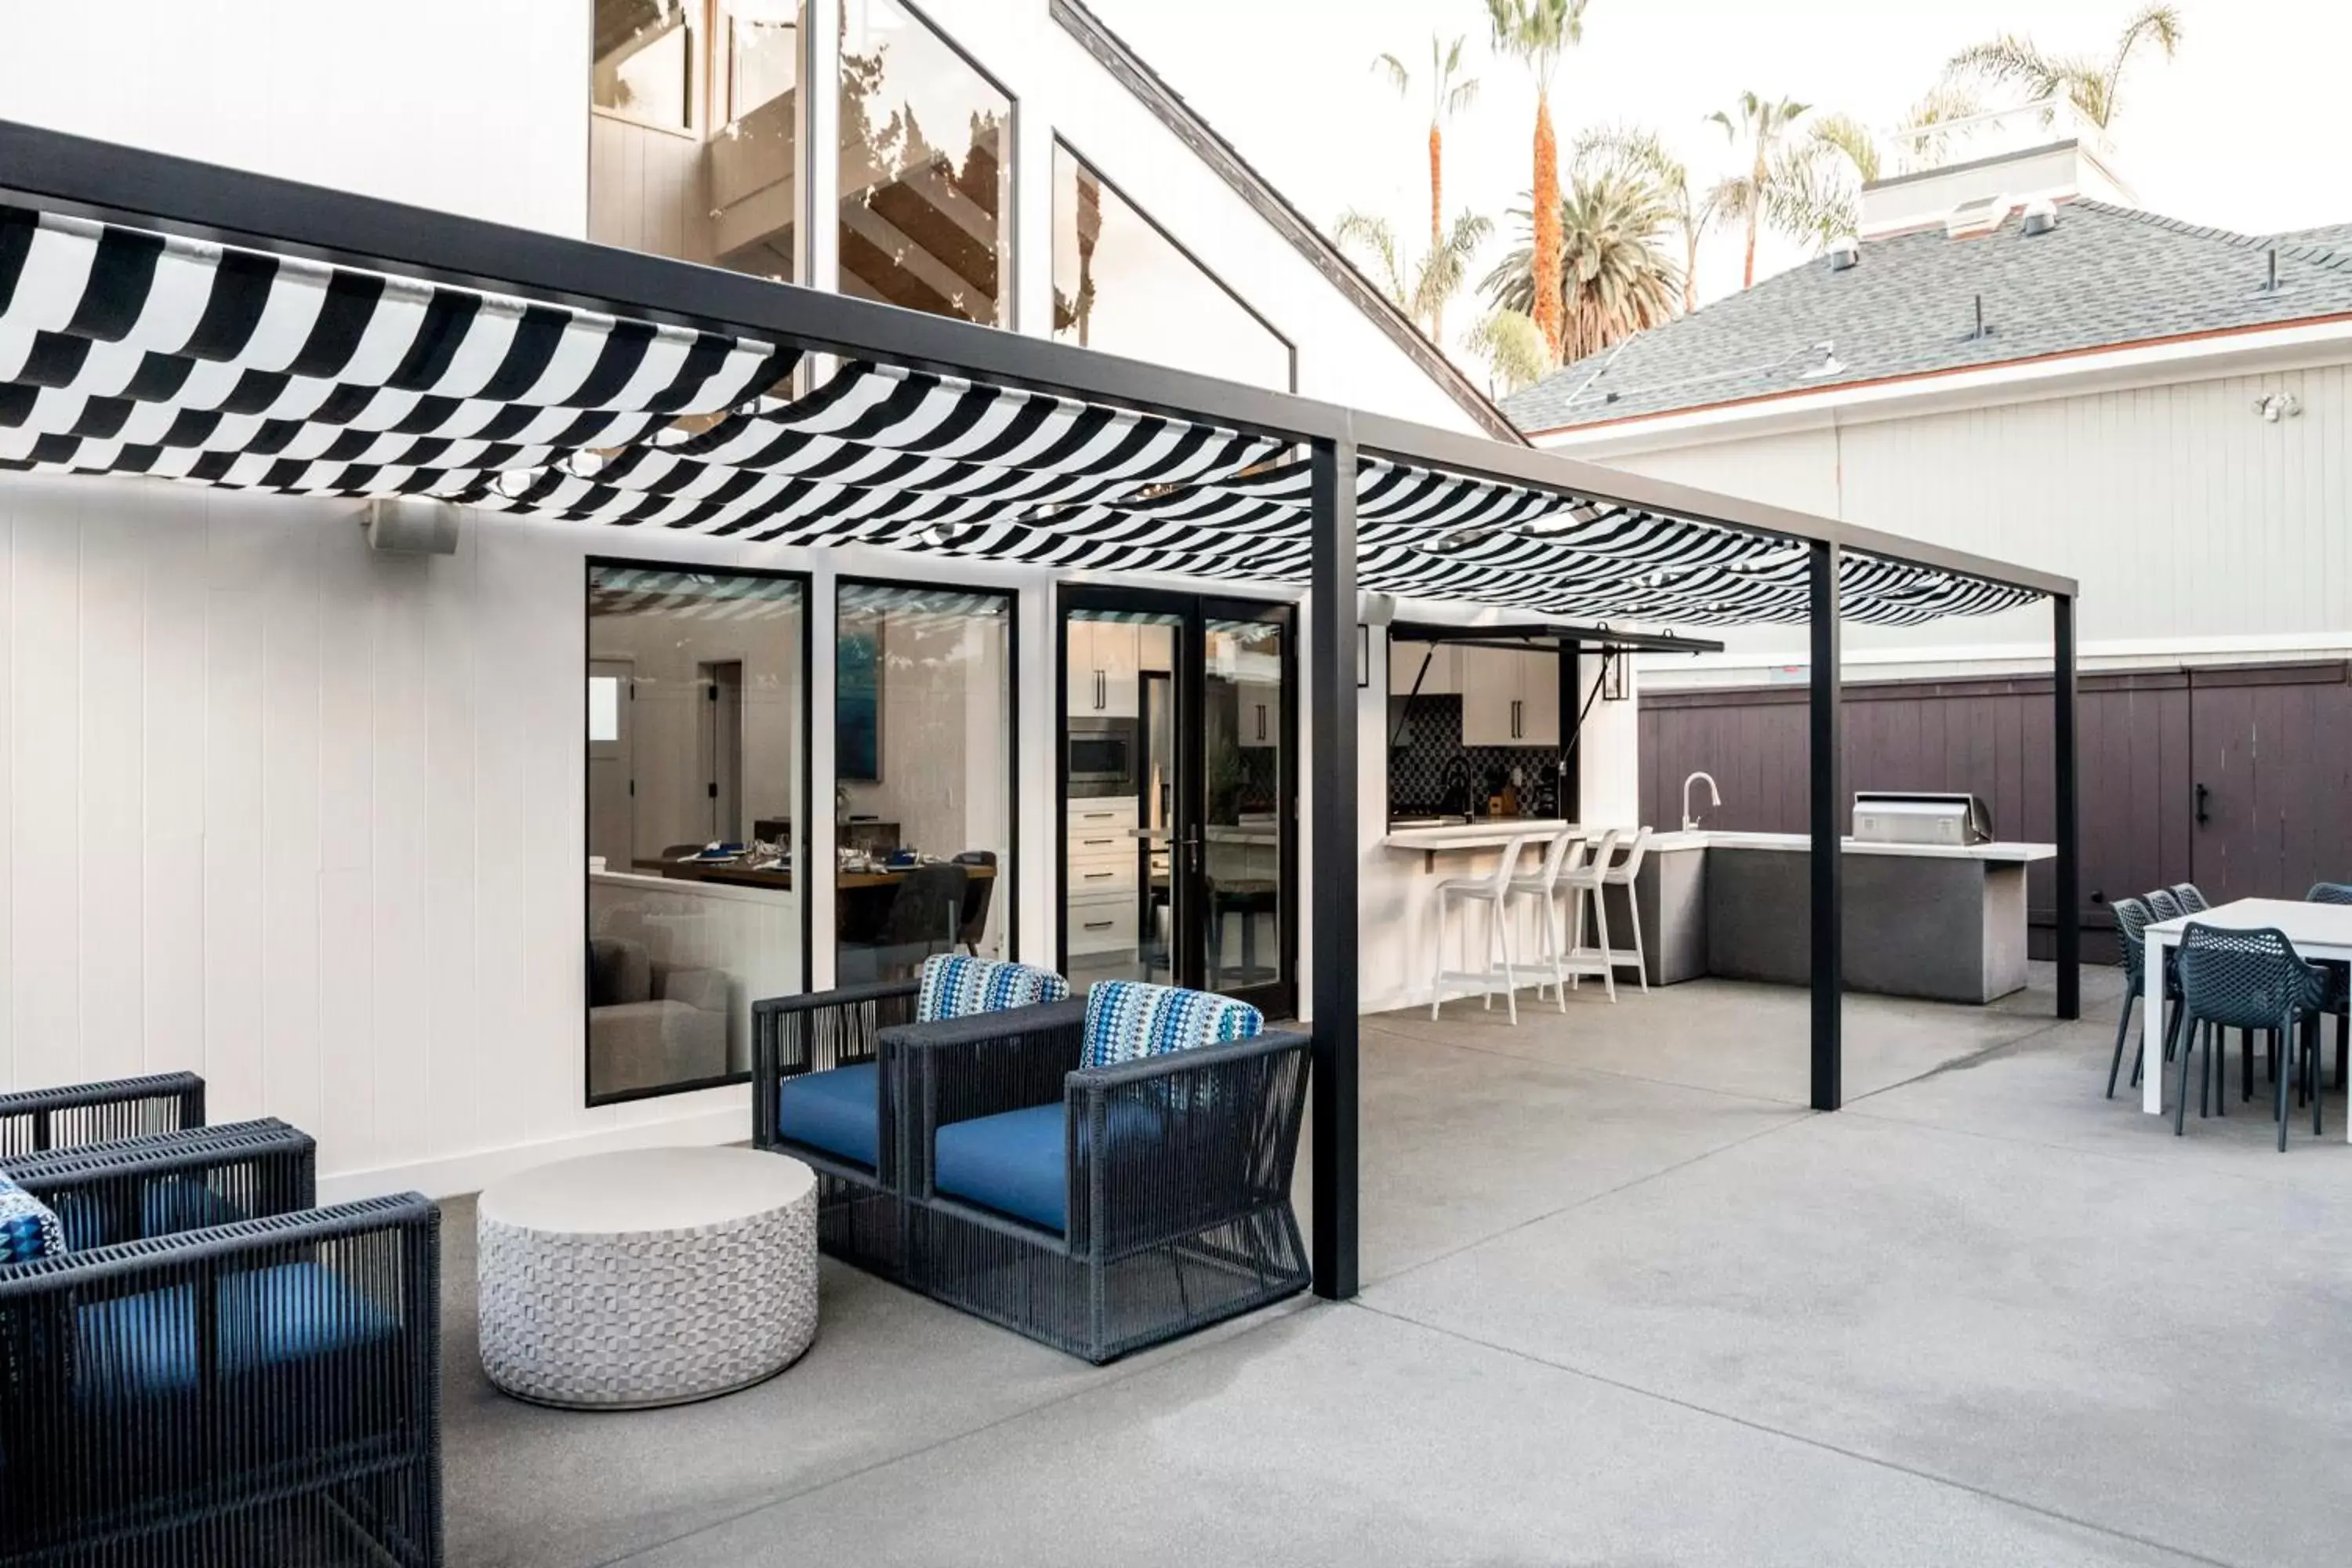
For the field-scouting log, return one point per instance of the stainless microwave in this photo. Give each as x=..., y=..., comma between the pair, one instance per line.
x=1100, y=756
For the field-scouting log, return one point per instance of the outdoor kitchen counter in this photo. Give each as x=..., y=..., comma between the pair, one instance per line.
x=1936, y=921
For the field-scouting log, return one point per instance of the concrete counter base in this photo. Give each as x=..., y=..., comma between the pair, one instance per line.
x=1943, y=928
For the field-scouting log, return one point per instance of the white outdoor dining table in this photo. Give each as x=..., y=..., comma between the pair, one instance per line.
x=2317, y=931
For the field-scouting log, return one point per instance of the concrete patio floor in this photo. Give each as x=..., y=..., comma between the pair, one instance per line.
x=1627, y=1301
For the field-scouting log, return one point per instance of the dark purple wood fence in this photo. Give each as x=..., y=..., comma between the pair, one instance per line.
x=2270, y=744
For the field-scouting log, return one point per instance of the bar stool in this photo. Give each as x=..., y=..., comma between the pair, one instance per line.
x=1621, y=875
x=1581, y=882
x=1544, y=888
x=1494, y=891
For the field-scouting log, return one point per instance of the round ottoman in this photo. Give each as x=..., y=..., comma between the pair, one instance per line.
x=648, y=1277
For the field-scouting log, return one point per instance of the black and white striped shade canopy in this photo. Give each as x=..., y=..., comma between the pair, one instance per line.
x=128, y=352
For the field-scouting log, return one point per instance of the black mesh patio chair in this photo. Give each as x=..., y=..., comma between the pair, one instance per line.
x=2131, y=924
x=1099, y=1210
x=2249, y=980
x=2192, y=901
x=38, y=1119
x=2339, y=995
x=2164, y=903
x=265, y=1390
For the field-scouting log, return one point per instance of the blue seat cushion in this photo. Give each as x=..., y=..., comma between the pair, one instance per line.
x=266, y=1318
x=166, y=1207
x=1017, y=1162
x=833, y=1111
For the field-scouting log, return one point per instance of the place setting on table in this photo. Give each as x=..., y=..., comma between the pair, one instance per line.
x=2270, y=970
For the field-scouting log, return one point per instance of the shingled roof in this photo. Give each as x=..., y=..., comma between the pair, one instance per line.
x=2104, y=275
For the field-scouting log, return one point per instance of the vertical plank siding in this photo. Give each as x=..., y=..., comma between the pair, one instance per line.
x=2271, y=744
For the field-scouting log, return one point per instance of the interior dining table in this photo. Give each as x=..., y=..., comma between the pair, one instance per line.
x=2317, y=931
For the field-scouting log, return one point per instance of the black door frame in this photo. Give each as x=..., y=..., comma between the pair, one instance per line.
x=1188, y=958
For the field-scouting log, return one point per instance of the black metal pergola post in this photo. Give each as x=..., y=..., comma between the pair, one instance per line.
x=2068, y=827
x=1826, y=718
x=1332, y=778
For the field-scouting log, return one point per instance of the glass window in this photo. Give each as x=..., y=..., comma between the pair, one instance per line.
x=696, y=715
x=1122, y=285
x=926, y=182
x=924, y=757
x=644, y=66
x=693, y=150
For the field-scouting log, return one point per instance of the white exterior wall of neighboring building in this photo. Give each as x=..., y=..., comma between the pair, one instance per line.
x=308, y=818
x=2200, y=533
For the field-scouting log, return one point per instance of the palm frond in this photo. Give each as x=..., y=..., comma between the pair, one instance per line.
x=1513, y=348
x=1394, y=69
x=1373, y=243
x=1850, y=139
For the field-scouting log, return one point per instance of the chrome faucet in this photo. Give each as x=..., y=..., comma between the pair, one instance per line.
x=1714, y=797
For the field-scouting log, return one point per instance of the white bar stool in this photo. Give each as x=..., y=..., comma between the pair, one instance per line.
x=1621, y=876
x=1582, y=882
x=1494, y=891
x=1544, y=888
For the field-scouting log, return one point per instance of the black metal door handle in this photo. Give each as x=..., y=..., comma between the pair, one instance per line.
x=2203, y=816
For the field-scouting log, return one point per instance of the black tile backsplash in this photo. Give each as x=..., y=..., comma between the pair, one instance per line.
x=1432, y=739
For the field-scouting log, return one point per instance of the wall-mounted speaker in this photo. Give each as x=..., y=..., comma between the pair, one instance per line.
x=409, y=525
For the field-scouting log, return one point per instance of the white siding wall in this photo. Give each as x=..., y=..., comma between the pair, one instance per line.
x=2196, y=528
x=471, y=106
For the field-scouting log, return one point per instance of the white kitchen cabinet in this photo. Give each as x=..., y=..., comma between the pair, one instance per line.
x=1509, y=698
x=1539, y=700
x=1444, y=677
x=1258, y=712
x=1101, y=670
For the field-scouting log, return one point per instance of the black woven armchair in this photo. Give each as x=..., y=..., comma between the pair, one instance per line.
x=108, y=1193
x=818, y=1093
x=1098, y=1210
x=263, y=1390
x=38, y=1119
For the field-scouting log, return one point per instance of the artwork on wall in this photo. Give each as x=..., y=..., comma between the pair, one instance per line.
x=857, y=707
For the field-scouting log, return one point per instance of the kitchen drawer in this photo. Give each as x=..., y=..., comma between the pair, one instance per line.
x=1094, y=813
x=1100, y=841
x=1099, y=925
x=1095, y=879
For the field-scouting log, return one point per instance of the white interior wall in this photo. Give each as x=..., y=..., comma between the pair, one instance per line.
x=469, y=106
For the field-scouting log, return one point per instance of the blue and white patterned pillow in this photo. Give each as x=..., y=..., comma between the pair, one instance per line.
x=1127, y=1019
x=956, y=985
x=28, y=1227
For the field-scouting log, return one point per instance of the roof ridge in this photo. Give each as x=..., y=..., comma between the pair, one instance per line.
x=2327, y=255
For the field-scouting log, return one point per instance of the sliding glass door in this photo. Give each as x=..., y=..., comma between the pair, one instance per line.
x=1178, y=793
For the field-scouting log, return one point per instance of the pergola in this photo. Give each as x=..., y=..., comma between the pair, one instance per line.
x=173, y=319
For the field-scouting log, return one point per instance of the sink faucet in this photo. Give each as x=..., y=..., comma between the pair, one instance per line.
x=1714, y=797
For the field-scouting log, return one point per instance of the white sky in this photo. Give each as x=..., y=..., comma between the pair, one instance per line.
x=2244, y=129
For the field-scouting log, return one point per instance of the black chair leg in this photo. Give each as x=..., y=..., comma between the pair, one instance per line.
x=2343, y=1044
x=2245, y=1066
x=2123, y=1032
x=2278, y=1092
x=2318, y=1086
x=2180, y=1105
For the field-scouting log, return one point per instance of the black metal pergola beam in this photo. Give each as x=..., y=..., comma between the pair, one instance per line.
x=70, y=174
x=1519, y=634
x=2068, y=827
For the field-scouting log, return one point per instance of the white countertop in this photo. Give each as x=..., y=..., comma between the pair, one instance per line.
x=1476, y=835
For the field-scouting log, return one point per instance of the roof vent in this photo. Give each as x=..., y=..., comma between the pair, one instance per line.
x=1971, y=219
x=2041, y=215
x=1845, y=251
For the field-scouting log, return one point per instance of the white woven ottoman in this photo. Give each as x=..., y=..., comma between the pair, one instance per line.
x=650, y=1277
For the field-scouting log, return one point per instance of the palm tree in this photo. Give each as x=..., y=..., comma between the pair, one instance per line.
x=1749, y=197
x=1639, y=154
x=1447, y=99
x=1420, y=288
x=2091, y=86
x=1513, y=348
x=1615, y=280
x=1815, y=192
x=1538, y=31
x=1928, y=131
